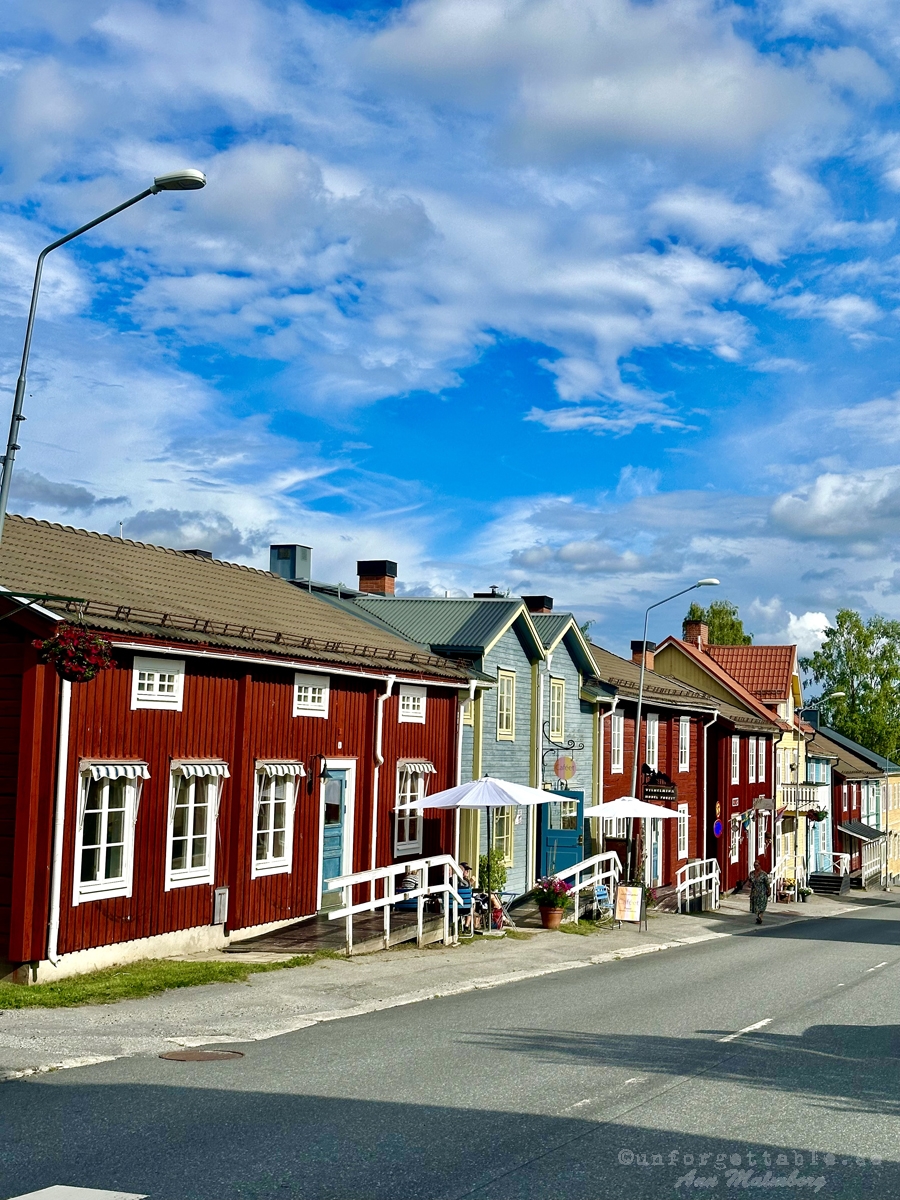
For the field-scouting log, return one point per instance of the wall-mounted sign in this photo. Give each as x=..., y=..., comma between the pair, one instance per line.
x=564, y=767
x=666, y=793
x=717, y=829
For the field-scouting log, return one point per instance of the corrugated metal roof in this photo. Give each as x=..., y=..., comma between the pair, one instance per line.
x=625, y=676
x=445, y=624
x=131, y=587
x=766, y=671
x=550, y=626
x=863, y=760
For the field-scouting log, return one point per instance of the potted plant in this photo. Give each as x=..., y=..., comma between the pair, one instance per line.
x=804, y=892
x=816, y=814
x=76, y=652
x=553, y=898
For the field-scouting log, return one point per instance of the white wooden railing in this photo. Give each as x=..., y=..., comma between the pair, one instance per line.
x=871, y=860
x=451, y=875
x=589, y=874
x=784, y=870
x=802, y=795
x=840, y=863
x=698, y=878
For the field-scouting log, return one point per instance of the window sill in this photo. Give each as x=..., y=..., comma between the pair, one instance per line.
x=102, y=891
x=404, y=848
x=410, y=720
x=310, y=712
x=189, y=879
x=262, y=870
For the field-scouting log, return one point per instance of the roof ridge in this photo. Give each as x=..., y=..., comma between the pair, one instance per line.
x=124, y=541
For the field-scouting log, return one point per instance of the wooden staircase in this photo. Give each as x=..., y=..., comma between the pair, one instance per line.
x=827, y=883
x=666, y=899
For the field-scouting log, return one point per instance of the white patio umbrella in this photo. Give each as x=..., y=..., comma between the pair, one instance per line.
x=629, y=807
x=486, y=793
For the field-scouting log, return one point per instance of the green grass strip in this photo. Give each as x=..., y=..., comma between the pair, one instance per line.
x=145, y=978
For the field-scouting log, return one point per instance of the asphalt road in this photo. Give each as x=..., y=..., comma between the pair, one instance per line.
x=623, y=1080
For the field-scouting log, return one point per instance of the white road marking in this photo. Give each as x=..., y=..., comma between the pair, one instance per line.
x=61, y=1192
x=875, y=968
x=637, y=1079
x=749, y=1029
x=578, y=1104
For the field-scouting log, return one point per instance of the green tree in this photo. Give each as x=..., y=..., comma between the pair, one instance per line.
x=862, y=659
x=725, y=625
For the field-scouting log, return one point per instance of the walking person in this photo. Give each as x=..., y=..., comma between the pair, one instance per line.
x=759, y=890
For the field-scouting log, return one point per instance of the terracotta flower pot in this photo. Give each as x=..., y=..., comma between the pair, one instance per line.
x=551, y=917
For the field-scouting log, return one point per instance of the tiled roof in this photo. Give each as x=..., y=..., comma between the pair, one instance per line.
x=449, y=625
x=766, y=671
x=131, y=587
x=737, y=689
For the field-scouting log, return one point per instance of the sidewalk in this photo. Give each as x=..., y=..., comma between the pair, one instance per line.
x=280, y=1002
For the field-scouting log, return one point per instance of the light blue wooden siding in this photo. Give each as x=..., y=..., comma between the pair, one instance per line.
x=508, y=760
x=579, y=722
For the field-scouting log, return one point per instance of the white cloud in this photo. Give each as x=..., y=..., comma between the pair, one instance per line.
x=807, y=631
x=862, y=507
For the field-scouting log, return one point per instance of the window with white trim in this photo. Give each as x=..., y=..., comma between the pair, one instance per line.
x=762, y=821
x=469, y=712
x=193, y=812
x=157, y=683
x=844, y=797
x=557, y=710
x=735, y=760
x=412, y=705
x=311, y=695
x=651, y=746
x=506, y=706
x=616, y=742
x=616, y=827
x=408, y=824
x=503, y=833
x=273, y=824
x=684, y=744
x=751, y=760
x=762, y=751
x=104, y=837
x=735, y=839
x=682, y=831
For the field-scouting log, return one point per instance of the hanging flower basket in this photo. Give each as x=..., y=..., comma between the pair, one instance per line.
x=76, y=653
x=816, y=814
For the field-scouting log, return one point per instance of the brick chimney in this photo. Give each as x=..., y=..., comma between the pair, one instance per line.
x=539, y=604
x=377, y=575
x=696, y=632
x=636, y=648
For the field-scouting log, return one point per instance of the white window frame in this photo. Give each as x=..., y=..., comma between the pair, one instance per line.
x=191, y=876
x=410, y=788
x=762, y=751
x=557, y=710
x=734, y=853
x=283, y=864
x=145, y=674
x=506, y=683
x=504, y=838
x=684, y=744
x=751, y=760
x=468, y=717
x=762, y=822
x=682, y=842
x=735, y=759
x=616, y=827
x=101, y=889
x=616, y=743
x=413, y=702
x=651, y=741
x=312, y=695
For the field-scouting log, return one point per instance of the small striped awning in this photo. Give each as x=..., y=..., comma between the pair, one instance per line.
x=416, y=766
x=202, y=770
x=276, y=770
x=132, y=770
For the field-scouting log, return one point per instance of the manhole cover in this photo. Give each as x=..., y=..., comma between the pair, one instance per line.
x=200, y=1055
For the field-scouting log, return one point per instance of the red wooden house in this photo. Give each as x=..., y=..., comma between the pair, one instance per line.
x=252, y=741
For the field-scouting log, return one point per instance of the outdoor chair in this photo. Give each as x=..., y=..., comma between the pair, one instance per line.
x=602, y=902
x=466, y=911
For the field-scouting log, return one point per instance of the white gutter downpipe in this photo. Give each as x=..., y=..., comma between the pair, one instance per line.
x=379, y=761
x=459, y=757
x=59, y=819
x=712, y=720
x=600, y=789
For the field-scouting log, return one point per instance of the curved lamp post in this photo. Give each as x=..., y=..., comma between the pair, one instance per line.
x=816, y=705
x=640, y=701
x=188, y=180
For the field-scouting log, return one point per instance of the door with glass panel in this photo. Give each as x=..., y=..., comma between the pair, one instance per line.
x=334, y=822
x=562, y=831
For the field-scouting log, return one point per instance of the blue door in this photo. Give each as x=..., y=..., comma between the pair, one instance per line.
x=334, y=790
x=562, y=832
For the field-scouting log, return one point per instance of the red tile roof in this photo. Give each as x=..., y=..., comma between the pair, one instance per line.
x=765, y=671
x=737, y=689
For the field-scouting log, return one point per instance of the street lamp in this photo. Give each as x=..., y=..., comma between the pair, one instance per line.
x=815, y=706
x=187, y=180
x=640, y=701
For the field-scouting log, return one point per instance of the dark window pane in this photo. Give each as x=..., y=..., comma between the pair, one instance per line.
x=200, y=819
x=114, y=862
x=180, y=822
x=198, y=854
x=115, y=827
x=262, y=842
x=278, y=844
x=91, y=832
x=179, y=855
x=90, y=860
x=280, y=814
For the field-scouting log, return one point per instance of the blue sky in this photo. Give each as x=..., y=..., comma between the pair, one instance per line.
x=585, y=297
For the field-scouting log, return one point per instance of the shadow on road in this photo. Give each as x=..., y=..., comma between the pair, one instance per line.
x=195, y=1141
x=851, y=1068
